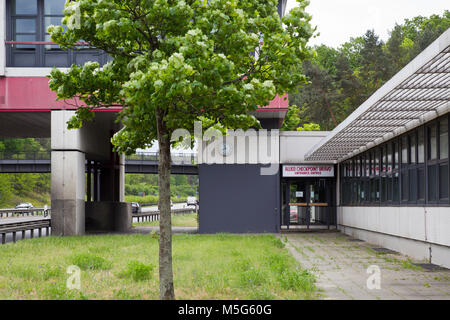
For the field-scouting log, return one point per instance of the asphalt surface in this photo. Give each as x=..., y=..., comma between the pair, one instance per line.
x=9, y=236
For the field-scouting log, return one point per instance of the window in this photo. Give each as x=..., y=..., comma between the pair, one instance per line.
x=432, y=143
x=24, y=23
x=389, y=158
x=412, y=148
x=412, y=169
x=421, y=184
x=27, y=20
x=420, y=147
x=404, y=147
x=405, y=188
x=432, y=179
x=443, y=139
x=377, y=162
x=443, y=182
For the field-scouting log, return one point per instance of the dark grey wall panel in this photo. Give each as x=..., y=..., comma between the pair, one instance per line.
x=237, y=199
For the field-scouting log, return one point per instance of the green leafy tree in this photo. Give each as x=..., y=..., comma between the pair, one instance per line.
x=177, y=62
x=309, y=127
x=292, y=119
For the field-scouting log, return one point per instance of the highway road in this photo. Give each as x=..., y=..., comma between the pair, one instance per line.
x=155, y=208
x=9, y=236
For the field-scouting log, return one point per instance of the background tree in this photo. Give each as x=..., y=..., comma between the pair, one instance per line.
x=342, y=79
x=177, y=62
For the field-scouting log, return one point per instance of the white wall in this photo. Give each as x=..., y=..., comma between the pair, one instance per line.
x=244, y=147
x=295, y=144
x=421, y=232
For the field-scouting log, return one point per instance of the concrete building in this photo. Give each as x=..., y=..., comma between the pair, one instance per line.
x=382, y=175
x=87, y=188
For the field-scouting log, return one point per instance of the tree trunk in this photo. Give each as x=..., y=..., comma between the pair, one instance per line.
x=166, y=289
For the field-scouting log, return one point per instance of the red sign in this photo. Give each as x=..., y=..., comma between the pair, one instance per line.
x=308, y=170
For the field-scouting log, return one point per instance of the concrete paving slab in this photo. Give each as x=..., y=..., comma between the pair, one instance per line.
x=341, y=268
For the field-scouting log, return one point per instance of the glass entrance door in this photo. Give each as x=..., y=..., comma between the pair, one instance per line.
x=308, y=202
x=298, y=202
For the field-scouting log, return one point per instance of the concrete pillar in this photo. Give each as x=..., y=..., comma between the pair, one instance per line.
x=70, y=149
x=68, y=180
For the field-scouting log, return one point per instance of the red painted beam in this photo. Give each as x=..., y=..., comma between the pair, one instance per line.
x=33, y=94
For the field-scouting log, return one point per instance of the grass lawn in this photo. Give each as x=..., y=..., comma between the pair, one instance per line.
x=126, y=267
x=178, y=220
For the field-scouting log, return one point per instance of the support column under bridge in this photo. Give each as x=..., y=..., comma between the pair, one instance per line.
x=87, y=188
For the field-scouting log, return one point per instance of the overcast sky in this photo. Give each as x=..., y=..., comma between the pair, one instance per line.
x=338, y=20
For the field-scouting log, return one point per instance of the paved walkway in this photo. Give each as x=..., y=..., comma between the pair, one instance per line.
x=340, y=264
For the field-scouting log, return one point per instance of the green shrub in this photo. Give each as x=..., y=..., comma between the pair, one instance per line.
x=87, y=261
x=137, y=271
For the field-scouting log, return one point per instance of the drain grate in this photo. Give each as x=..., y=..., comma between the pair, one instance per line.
x=384, y=250
x=354, y=240
x=431, y=267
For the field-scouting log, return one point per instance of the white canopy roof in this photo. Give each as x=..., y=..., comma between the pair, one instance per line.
x=418, y=93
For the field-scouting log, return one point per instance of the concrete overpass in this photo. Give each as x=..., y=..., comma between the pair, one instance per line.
x=147, y=163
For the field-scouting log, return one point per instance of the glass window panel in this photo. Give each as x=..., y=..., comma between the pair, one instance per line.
x=412, y=176
x=443, y=182
x=367, y=164
x=383, y=189
x=432, y=143
x=412, y=148
x=24, y=7
x=51, y=46
x=358, y=167
x=372, y=163
x=389, y=157
x=389, y=189
x=361, y=191
x=383, y=159
x=395, y=187
x=404, y=149
x=367, y=190
x=25, y=37
x=443, y=139
x=432, y=183
x=54, y=6
x=421, y=147
x=351, y=168
x=56, y=21
x=25, y=26
x=405, y=187
x=420, y=184
x=395, y=155
x=377, y=163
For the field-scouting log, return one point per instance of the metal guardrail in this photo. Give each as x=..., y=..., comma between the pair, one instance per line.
x=149, y=204
x=6, y=213
x=177, y=158
x=154, y=215
x=23, y=226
